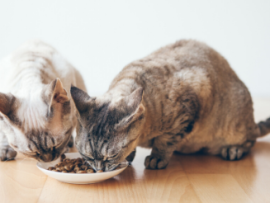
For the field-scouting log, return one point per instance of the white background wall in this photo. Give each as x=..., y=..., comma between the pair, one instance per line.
x=101, y=37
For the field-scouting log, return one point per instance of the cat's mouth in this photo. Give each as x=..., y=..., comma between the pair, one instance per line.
x=99, y=164
x=48, y=156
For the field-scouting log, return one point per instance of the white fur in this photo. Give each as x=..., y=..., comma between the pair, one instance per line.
x=21, y=75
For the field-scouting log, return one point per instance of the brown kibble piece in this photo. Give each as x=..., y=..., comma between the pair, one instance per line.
x=90, y=171
x=72, y=166
x=79, y=159
x=83, y=167
x=69, y=167
x=77, y=163
x=77, y=168
x=63, y=156
x=81, y=171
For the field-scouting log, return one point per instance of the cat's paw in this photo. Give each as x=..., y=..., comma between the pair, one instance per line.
x=7, y=153
x=152, y=162
x=232, y=153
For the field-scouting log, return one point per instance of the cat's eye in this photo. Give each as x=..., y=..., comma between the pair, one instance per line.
x=112, y=157
x=87, y=158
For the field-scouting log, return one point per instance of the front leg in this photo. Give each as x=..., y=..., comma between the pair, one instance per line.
x=162, y=150
x=179, y=124
x=6, y=152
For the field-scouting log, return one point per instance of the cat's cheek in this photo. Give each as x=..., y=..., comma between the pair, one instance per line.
x=18, y=141
x=91, y=163
x=77, y=142
x=110, y=167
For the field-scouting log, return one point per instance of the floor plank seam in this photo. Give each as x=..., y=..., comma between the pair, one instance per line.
x=42, y=189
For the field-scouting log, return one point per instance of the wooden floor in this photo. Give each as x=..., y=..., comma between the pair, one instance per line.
x=188, y=178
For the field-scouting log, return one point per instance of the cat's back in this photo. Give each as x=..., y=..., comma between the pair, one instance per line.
x=190, y=53
x=183, y=54
x=35, y=53
x=39, y=60
x=32, y=57
x=193, y=63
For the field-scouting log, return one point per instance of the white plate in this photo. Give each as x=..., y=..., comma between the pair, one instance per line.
x=74, y=178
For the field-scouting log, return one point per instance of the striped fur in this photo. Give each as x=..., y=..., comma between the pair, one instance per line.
x=192, y=101
x=37, y=117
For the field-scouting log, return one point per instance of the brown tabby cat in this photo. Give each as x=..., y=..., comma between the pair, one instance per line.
x=36, y=115
x=184, y=97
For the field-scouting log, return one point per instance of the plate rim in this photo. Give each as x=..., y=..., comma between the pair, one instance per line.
x=40, y=168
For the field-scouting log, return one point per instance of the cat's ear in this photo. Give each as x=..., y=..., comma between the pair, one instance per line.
x=80, y=99
x=58, y=93
x=6, y=103
x=56, y=97
x=135, y=108
x=134, y=100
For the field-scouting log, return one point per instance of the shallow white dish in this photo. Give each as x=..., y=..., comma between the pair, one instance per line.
x=74, y=178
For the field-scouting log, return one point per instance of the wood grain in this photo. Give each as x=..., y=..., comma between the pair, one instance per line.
x=188, y=178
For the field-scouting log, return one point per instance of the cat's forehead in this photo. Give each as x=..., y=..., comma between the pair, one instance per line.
x=100, y=147
x=104, y=116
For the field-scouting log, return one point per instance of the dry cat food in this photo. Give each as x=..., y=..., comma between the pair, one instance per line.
x=72, y=166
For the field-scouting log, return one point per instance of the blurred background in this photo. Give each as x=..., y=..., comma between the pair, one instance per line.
x=100, y=37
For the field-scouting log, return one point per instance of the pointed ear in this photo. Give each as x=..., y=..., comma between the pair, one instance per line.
x=135, y=98
x=58, y=93
x=80, y=99
x=6, y=103
x=135, y=107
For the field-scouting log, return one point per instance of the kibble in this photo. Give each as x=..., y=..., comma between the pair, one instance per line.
x=72, y=166
x=63, y=156
x=90, y=171
x=81, y=171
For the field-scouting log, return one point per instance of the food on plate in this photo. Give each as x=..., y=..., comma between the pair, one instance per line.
x=72, y=166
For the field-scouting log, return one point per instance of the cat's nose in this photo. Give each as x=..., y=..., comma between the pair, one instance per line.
x=46, y=157
x=99, y=165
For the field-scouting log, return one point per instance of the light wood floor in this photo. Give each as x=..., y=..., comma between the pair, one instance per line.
x=188, y=178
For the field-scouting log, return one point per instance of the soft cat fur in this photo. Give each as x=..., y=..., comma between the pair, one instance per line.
x=184, y=97
x=37, y=117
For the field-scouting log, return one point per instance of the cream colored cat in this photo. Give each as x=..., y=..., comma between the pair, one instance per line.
x=37, y=116
x=184, y=97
